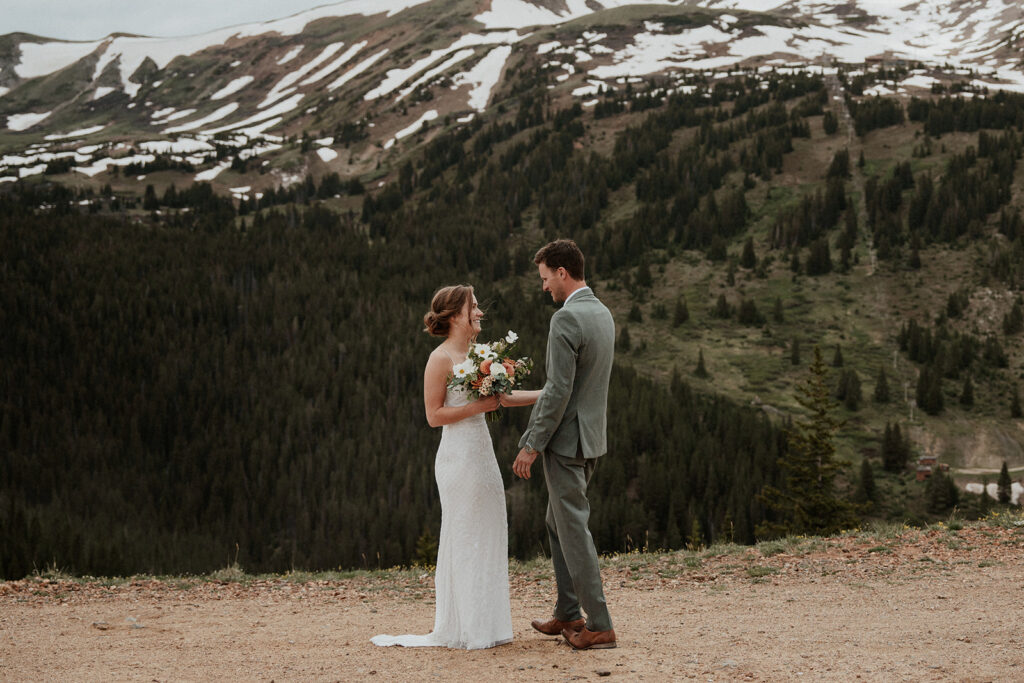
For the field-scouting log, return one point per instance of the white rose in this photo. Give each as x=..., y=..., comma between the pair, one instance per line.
x=511, y=337
x=498, y=370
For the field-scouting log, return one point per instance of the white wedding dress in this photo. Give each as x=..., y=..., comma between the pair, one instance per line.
x=471, y=583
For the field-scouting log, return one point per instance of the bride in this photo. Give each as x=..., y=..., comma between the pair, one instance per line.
x=471, y=582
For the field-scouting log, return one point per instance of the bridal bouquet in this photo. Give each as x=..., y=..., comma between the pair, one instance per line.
x=489, y=369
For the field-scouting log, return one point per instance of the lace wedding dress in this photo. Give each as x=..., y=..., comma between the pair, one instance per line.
x=471, y=583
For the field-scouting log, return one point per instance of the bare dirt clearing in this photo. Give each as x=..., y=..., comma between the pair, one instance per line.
x=941, y=604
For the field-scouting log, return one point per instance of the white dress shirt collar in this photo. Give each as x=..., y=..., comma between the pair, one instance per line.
x=574, y=294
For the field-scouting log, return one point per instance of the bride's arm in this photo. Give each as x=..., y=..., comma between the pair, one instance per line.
x=520, y=397
x=435, y=387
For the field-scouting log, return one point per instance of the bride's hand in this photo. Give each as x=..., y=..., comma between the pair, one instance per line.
x=489, y=403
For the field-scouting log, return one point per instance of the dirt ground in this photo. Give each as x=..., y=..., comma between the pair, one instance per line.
x=921, y=606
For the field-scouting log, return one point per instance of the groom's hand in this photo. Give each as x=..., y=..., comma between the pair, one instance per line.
x=524, y=461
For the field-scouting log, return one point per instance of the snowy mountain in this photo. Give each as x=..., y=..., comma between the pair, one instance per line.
x=357, y=77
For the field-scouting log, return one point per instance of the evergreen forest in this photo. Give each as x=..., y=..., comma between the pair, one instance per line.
x=189, y=380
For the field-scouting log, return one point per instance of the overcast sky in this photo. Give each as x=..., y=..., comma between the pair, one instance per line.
x=92, y=19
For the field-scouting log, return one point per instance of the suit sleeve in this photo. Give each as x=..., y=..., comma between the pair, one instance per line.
x=564, y=339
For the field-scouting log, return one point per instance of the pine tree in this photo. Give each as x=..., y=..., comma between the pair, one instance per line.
x=748, y=259
x=1004, y=486
x=722, y=308
x=149, y=201
x=749, y=314
x=643, y=276
x=837, y=358
x=794, y=352
x=1013, y=322
x=681, y=313
x=830, y=122
x=881, y=387
x=967, y=393
x=851, y=391
x=894, y=450
x=1015, y=408
x=929, y=390
x=701, y=371
x=819, y=257
x=777, y=314
x=941, y=492
x=867, y=490
x=808, y=502
x=625, y=344
x=635, y=314
x=426, y=549
x=914, y=260
x=985, y=502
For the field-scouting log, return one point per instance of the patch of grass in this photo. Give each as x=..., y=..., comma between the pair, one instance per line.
x=758, y=571
x=769, y=548
x=233, y=573
x=1006, y=519
x=724, y=549
x=884, y=530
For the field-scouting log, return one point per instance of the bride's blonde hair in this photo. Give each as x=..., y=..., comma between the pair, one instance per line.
x=448, y=303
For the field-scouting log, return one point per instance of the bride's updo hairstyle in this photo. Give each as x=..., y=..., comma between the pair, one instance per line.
x=448, y=303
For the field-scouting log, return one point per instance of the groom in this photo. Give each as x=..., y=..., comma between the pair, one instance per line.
x=567, y=426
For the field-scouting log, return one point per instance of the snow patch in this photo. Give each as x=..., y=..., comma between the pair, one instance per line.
x=484, y=76
x=1016, y=490
x=292, y=54
x=278, y=109
x=412, y=128
x=226, y=110
x=24, y=121
x=593, y=88
x=174, y=116
x=356, y=70
x=76, y=133
x=39, y=59
x=281, y=88
x=396, y=77
x=335, y=65
x=441, y=68
x=327, y=154
x=101, y=165
x=30, y=171
x=181, y=146
x=211, y=173
x=232, y=87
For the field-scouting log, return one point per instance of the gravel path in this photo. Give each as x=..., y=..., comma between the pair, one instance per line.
x=925, y=605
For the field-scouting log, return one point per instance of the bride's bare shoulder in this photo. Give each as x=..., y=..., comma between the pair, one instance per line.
x=438, y=357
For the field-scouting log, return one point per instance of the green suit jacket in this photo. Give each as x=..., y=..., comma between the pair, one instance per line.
x=571, y=414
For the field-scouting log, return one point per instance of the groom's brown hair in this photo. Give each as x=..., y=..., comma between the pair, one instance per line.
x=561, y=254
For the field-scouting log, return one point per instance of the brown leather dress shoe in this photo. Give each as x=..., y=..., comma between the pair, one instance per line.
x=553, y=627
x=586, y=639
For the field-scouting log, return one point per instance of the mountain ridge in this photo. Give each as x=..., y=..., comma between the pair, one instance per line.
x=156, y=73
